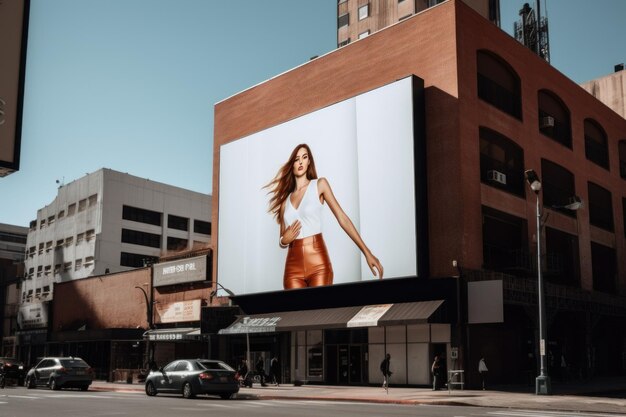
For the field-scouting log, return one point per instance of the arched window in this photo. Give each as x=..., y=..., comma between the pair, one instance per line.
x=554, y=118
x=596, y=144
x=501, y=162
x=498, y=84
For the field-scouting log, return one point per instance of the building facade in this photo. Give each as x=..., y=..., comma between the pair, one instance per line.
x=12, y=248
x=610, y=89
x=103, y=223
x=492, y=110
x=357, y=19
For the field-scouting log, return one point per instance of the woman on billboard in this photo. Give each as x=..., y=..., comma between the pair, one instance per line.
x=298, y=197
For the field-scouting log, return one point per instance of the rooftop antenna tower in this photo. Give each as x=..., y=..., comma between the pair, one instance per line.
x=532, y=30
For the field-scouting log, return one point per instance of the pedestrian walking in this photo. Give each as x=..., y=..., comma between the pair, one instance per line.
x=435, y=369
x=275, y=371
x=385, y=368
x=260, y=370
x=482, y=370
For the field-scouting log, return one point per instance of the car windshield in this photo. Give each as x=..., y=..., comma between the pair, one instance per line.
x=73, y=363
x=215, y=365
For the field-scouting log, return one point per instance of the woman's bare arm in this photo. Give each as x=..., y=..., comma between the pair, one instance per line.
x=346, y=224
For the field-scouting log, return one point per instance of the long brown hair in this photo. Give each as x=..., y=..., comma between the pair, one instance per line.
x=285, y=182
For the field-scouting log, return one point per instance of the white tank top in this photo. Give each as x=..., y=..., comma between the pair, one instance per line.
x=309, y=212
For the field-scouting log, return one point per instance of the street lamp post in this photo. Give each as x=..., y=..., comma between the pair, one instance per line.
x=542, y=382
x=232, y=294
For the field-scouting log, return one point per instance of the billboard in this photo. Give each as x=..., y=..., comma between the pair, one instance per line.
x=364, y=148
x=181, y=271
x=13, y=30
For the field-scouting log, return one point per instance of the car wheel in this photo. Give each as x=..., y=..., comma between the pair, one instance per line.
x=188, y=391
x=53, y=385
x=226, y=395
x=150, y=389
x=30, y=383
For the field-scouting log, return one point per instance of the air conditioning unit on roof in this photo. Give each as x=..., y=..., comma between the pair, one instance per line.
x=496, y=176
x=546, y=122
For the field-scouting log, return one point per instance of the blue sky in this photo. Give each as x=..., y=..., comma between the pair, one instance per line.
x=130, y=84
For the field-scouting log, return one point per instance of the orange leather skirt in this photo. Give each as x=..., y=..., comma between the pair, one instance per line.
x=307, y=264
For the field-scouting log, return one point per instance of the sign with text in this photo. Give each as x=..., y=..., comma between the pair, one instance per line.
x=33, y=315
x=369, y=316
x=180, y=271
x=179, y=311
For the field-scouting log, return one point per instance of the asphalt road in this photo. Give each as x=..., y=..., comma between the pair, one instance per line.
x=20, y=402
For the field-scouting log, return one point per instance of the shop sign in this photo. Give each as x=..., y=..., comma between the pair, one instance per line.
x=180, y=271
x=33, y=315
x=179, y=311
x=166, y=336
x=368, y=316
x=253, y=325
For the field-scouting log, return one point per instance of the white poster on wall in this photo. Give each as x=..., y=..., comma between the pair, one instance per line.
x=363, y=147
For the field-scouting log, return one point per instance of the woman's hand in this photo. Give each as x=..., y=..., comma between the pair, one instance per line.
x=374, y=265
x=291, y=233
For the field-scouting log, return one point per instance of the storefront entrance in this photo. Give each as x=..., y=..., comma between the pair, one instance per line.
x=346, y=364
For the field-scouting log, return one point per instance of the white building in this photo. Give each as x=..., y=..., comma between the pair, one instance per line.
x=108, y=221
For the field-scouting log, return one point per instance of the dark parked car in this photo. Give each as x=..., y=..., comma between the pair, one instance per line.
x=59, y=373
x=13, y=370
x=190, y=377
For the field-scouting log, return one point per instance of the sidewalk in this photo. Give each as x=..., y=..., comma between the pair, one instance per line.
x=565, y=397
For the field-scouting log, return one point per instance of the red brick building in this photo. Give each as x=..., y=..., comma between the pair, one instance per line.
x=492, y=110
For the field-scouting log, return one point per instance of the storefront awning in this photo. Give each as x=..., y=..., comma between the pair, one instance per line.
x=336, y=318
x=172, y=334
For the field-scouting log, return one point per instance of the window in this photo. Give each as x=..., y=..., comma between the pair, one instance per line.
x=498, y=84
x=202, y=227
x=600, y=207
x=604, y=268
x=136, y=260
x=141, y=215
x=39, y=270
x=67, y=266
x=88, y=261
x=90, y=234
x=177, y=222
x=93, y=199
x=554, y=118
x=46, y=290
x=71, y=209
x=40, y=248
x=78, y=263
x=622, y=158
x=562, y=262
x=69, y=241
x=558, y=187
x=80, y=237
x=59, y=243
x=61, y=214
x=501, y=162
x=82, y=204
x=47, y=270
x=33, y=225
x=176, y=244
x=343, y=20
x=596, y=144
x=136, y=237
x=51, y=220
x=57, y=269
x=42, y=223
x=48, y=246
x=364, y=11
x=364, y=34
x=505, y=242
x=343, y=43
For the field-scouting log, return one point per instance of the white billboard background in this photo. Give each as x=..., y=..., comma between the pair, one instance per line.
x=364, y=147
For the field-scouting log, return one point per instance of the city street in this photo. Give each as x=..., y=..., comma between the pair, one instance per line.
x=20, y=402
